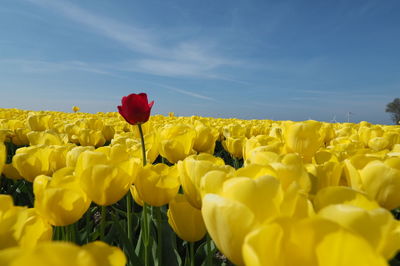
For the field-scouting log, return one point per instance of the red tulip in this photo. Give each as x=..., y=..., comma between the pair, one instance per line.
x=135, y=108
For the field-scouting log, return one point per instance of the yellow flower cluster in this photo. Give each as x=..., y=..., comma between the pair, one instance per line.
x=25, y=239
x=308, y=193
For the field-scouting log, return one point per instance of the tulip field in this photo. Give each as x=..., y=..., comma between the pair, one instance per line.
x=130, y=188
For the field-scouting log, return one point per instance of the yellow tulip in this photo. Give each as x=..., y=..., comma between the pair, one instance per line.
x=234, y=130
x=75, y=109
x=290, y=169
x=326, y=174
x=269, y=143
x=264, y=155
x=234, y=145
x=352, y=174
x=304, y=138
x=105, y=184
x=323, y=156
x=90, y=137
x=108, y=132
x=213, y=181
x=393, y=137
x=6, y=204
x=276, y=132
x=116, y=153
x=377, y=226
x=367, y=133
x=73, y=154
x=11, y=172
x=21, y=226
x=381, y=181
x=134, y=146
x=104, y=254
x=157, y=184
x=32, y=161
x=243, y=204
x=343, y=195
x=205, y=138
x=308, y=242
x=135, y=195
x=378, y=143
x=40, y=160
x=60, y=199
x=345, y=248
x=64, y=253
x=192, y=169
x=39, y=122
x=255, y=171
x=176, y=142
x=48, y=137
x=185, y=220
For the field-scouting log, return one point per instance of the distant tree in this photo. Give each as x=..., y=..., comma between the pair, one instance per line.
x=394, y=108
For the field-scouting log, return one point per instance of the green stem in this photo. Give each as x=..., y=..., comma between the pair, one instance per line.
x=236, y=162
x=70, y=233
x=146, y=235
x=88, y=226
x=68, y=236
x=143, y=145
x=74, y=229
x=146, y=229
x=159, y=234
x=64, y=235
x=191, y=253
x=209, y=255
x=103, y=222
x=128, y=214
x=56, y=233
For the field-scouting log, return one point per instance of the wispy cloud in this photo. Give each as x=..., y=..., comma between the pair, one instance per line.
x=42, y=66
x=193, y=94
x=182, y=58
x=185, y=92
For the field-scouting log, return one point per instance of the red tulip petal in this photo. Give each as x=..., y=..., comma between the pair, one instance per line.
x=135, y=108
x=151, y=104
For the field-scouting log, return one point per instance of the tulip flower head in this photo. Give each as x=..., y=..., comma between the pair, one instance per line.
x=135, y=108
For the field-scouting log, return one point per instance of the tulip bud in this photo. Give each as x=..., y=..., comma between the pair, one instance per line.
x=185, y=220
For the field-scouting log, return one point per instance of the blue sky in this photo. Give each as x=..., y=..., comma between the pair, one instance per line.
x=228, y=58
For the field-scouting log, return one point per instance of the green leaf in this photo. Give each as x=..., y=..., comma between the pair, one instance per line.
x=126, y=244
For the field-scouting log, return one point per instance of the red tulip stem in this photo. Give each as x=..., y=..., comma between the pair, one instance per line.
x=146, y=228
x=143, y=145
